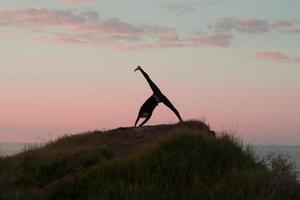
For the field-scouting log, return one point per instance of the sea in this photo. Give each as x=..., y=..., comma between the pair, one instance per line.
x=292, y=152
x=9, y=149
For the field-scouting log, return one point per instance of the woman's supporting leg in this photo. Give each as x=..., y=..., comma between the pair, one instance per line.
x=137, y=120
x=147, y=118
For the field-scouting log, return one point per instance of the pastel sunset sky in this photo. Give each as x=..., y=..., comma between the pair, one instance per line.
x=67, y=65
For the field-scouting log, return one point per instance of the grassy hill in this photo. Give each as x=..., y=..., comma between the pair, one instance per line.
x=180, y=161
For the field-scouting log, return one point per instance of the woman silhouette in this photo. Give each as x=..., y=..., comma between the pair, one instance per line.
x=157, y=97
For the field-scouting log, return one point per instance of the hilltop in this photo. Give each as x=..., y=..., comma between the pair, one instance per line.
x=176, y=161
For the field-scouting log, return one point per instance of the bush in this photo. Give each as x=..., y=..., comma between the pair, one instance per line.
x=183, y=161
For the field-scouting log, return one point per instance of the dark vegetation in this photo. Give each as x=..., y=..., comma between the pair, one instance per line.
x=181, y=161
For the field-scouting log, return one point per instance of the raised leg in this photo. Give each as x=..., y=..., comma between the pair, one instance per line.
x=153, y=86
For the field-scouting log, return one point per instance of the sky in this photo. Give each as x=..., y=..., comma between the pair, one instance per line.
x=67, y=66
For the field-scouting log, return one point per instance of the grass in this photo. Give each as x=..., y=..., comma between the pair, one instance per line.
x=182, y=161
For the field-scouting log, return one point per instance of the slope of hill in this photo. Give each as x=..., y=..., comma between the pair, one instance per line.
x=180, y=161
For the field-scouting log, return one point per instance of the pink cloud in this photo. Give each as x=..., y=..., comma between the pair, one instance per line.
x=169, y=39
x=250, y=25
x=58, y=39
x=271, y=55
x=71, y=26
x=135, y=47
x=39, y=18
x=277, y=56
x=220, y=40
x=254, y=26
x=84, y=22
x=295, y=60
x=75, y=1
x=281, y=24
x=84, y=26
x=294, y=30
x=187, y=7
x=114, y=26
